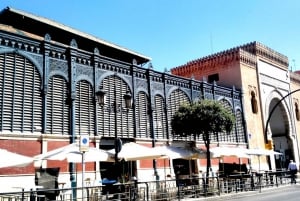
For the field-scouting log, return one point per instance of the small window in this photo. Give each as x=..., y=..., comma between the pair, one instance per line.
x=254, y=103
x=297, y=112
x=213, y=77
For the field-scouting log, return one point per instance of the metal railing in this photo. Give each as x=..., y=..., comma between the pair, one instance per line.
x=158, y=190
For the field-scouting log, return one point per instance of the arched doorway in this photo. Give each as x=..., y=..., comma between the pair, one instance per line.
x=279, y=127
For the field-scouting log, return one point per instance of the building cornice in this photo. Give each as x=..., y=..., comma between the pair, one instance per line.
x=64, y=34
x=219, y=59
x=264, y=52
x=245, y=54
x=295, y=77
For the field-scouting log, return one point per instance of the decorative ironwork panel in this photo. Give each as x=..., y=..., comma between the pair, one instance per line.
x=83, y=70
x=58, y=66
x=239, y=126
x=157, y=87
x=141, y=84
x=223, y=136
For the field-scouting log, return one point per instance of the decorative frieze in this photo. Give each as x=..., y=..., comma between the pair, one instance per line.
x=19, y=44
x=115, y=68
x=141, y=83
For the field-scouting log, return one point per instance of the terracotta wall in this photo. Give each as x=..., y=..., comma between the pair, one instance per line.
x=24, y=147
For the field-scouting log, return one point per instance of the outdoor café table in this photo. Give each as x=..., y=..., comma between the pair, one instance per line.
x=63, y=192
x=61, y=184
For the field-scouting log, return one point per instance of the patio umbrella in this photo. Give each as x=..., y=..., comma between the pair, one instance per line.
x=188, y=153
x=220, y=152
x=132, y=151
x=10, y=159
x=72, y=154
x=262, y=152
x=174, y=152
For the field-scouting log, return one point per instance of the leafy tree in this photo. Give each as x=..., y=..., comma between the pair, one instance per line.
x=203, y=118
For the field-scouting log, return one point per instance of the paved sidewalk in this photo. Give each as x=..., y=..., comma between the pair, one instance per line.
x=242, y=194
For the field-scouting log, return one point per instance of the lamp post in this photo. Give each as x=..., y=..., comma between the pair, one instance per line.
x=115, y=108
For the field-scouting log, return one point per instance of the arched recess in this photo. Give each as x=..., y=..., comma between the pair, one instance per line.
x=58, y=121
x=115, y=88
x=223, y=136
x=279, y=128
x=84, y=108
x=142, y=115
x=20, y=94
x=175, y=99
x=159, y=118
x=115, y=121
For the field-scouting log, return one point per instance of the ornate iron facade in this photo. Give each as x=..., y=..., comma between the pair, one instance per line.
x=51, y=85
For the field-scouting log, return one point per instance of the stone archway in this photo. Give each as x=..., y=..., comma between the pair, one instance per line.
x=280, y=128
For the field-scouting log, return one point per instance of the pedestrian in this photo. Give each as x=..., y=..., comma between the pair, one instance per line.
x=292, y=168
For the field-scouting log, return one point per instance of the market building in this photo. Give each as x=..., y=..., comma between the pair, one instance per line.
x=270, y=96
x=51, y=79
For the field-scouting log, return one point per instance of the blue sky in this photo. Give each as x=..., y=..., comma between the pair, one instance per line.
x=173, y=32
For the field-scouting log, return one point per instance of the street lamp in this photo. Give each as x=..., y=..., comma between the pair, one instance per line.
x=115, y=108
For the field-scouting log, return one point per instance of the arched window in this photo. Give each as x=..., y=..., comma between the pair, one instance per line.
x=142, y=116
x=110, y=123
x=58, y=121
x=159, y=118
x=176, y=98
x=20, y=94
x=223, y=136
x=84, y=108
x=254, y=103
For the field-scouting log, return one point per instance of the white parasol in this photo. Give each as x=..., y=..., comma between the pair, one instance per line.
x=132, y=151
x=262, y=152
x=72, y=154
x=10, y=159
x=174, y=152
x=220, y=152
x=188, y=153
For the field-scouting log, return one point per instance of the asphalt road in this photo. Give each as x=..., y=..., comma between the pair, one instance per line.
x=284, y=193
